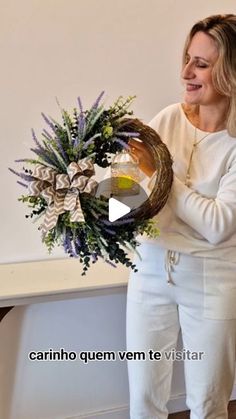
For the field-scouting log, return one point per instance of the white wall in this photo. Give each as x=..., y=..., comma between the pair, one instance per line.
x=58, y=390
x=67, y=48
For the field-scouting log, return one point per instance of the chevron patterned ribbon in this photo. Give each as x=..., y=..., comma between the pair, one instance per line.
x=61, y=191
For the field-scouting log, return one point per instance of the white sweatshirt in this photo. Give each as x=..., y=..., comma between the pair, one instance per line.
x=200, y=218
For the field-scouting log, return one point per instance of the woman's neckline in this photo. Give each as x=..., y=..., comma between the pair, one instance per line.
x=196, y=128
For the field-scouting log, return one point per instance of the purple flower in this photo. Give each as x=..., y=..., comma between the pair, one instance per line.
x=110, y=263
x=23, y=176
x=81, y=124
x=61, y=149
x=35, y=139
x=21, y=160
x=94, y=256
x=90, y=141
x=87, y=143
x=39, y=151
x=67, y=244
x=106, y=222
x=96, y=103
x=46, y=133
x=128, y=134
x=125, y=221
x=47, y=120
x=22, y=184
x=117, y=223
x=77, y=246
x=42, y=154
x=111, y=232
x=78, y=242
x=80, y=104
x=121, y=142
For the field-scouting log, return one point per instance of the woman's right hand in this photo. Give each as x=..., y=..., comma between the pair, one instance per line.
x=145, y=158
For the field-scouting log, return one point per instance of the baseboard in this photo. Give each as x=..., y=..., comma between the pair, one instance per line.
x=176, y=404
x=233, y=395
x=121, y=412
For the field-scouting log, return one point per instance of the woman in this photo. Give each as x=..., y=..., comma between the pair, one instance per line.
x=186, y=279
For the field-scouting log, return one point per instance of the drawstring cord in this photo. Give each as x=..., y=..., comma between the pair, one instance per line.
x=172, y=258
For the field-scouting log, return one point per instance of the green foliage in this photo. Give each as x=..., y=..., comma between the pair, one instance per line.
x=150, y=228
x=50, y=240
x=37, y=203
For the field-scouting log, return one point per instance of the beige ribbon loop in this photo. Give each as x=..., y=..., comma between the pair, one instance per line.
x=87, y=167
x=44, y=173
x=71, y=199
x=91, y=187
x=48, y=194
x=36, y=187
x=73, y=169
x=61, y=191
x=53, y=211
x=62, y=181
x=77, y=213
x=79, y=182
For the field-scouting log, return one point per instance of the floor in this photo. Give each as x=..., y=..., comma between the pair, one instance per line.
x=185, y=415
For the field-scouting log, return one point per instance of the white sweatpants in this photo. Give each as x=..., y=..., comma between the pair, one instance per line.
x=156, y=312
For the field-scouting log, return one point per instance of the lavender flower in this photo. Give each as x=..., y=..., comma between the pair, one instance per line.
x=106, y=222
x=22, y=184
x=80, y=104
x=94, y=256
x=81, y=124
x=121, y=142
x=68, y=245
x=61, y=149
x=47, y=120
x=23, y=176
x=125, y=221
x=43, y=156
x=78, y=242
x=21, y=160
x=110, y=263
x=77, y=247
x=128, y=134
x=96, y=103
x=39, y=151
x=90, y=141
x=35, y=138
x=111, y=232
x=47, y=135
x=117, y=223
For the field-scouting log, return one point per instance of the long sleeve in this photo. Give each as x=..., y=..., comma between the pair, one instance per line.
x=214, y=219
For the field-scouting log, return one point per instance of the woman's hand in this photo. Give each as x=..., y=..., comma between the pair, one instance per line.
x=145, y=158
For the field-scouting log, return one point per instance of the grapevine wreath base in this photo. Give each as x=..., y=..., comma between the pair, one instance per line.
x=61, y=187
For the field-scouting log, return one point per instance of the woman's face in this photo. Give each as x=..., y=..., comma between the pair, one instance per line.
x=197, y=73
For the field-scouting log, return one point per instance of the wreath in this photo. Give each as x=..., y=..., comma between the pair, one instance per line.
x=61, y=187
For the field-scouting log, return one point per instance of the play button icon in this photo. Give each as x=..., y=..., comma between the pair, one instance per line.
x=117, y=209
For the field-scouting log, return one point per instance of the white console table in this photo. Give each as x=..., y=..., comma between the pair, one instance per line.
x=57, y=279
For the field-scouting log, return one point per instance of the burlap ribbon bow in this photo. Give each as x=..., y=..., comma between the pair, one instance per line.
x=61, y=191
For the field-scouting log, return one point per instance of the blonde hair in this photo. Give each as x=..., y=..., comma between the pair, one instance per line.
x=222, y=29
